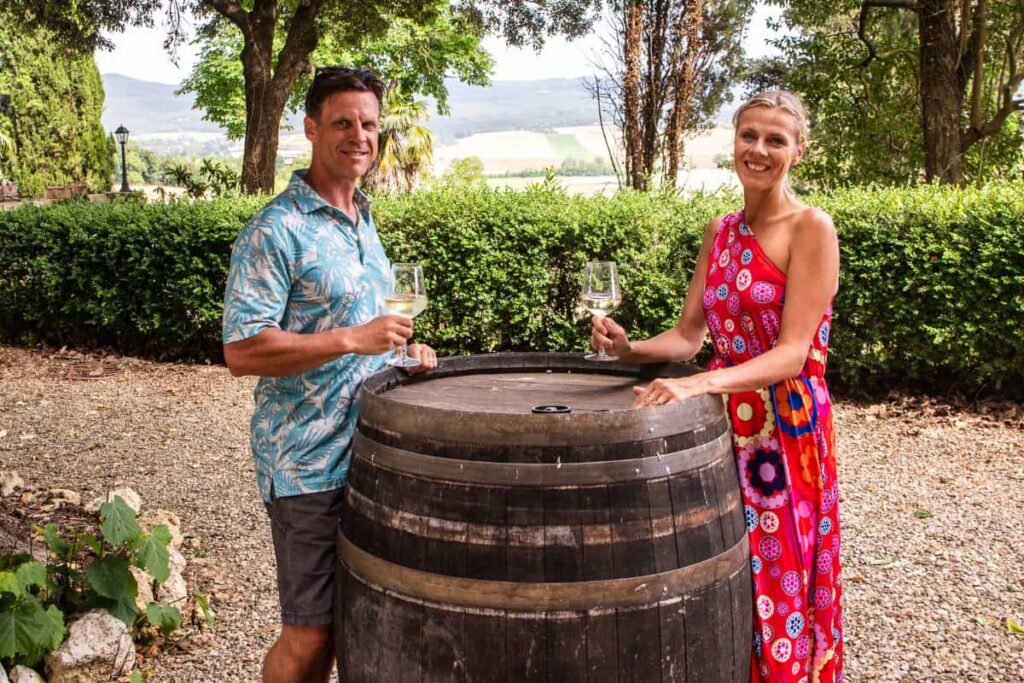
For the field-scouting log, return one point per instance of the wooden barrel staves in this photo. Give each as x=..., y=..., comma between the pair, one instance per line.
x=483, y=542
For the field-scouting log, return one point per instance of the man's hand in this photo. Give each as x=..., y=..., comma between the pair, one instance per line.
x=380, y=335
x=426, y=356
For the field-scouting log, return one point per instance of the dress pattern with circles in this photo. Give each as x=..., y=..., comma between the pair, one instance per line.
x=785, y=457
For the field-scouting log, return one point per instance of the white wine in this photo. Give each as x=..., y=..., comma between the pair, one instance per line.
x=408, y=305
x=600, y=304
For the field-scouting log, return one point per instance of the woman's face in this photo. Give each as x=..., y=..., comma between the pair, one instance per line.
x=765, y=147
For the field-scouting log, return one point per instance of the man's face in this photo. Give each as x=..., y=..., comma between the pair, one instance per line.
x=345, y=135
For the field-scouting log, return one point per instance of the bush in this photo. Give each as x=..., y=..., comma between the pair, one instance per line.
x=86, y=571
x=932, y=284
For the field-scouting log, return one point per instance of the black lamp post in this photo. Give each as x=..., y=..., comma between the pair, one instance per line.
x=121, y=135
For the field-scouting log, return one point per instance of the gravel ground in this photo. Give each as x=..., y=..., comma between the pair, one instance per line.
x=932, y=502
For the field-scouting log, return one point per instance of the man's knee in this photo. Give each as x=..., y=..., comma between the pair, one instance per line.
x=307, y=640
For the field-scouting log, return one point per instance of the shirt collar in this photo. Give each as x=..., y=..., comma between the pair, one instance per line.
x=308, y=200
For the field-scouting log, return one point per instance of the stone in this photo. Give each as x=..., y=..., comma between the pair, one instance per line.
x=176, y=561
x=151, y=518
x=145, y=583
x=3, y=675
x=98, y=648
x=9, y=481
x=130, y=497
x=59, y=497
x=173, y=591
x=23, y=674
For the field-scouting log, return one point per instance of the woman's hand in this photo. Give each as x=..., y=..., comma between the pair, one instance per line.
x=663, y=390
x=611, y=335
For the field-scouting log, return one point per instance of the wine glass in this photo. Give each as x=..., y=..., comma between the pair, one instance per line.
x=601, y=296
x=407, y=298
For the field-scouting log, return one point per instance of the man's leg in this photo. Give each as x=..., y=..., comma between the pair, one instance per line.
x=302, y=654
x=304, y=529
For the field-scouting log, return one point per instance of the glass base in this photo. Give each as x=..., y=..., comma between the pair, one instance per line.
x=403, y=362
x=600, y=357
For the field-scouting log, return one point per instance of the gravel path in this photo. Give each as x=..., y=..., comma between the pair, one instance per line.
x=932, y=509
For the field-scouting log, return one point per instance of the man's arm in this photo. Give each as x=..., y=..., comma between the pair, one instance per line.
x=277, y=353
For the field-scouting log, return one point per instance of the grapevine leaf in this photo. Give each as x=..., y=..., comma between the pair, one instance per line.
x=25, y=631
x=167, y=618
x=109, y=576
x=31, y=574
x=123, y=608
x=9, y=584
x=119, y=526
x=152, y=554
x=57, y=545
x=203, y=600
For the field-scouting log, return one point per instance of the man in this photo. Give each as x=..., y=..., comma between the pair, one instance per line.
x=302, y=310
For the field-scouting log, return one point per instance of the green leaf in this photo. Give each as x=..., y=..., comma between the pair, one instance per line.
x=26, y=631
x=1013, y=628
x=922, y=513
x=119, y=526
x=203, y=601
x=31, y=574
x=9, y=584
x=152, y=553
x=123, y=608
x=58, y=546
x=56, y=619
x=92, y=543
x=167, y=618
x=109, y=576
x=136, y=677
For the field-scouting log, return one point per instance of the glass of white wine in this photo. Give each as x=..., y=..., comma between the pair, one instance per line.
x=601, y=296
x=408, y=298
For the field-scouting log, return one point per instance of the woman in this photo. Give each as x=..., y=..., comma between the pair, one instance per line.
x=763, y=286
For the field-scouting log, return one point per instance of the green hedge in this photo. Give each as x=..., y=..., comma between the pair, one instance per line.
x=932, y=290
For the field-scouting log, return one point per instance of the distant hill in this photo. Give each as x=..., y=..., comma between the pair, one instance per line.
x=152, y=110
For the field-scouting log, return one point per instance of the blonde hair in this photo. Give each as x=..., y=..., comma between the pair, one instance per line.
x=785, y=100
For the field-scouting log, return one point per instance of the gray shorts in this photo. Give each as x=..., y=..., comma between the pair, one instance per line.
x=305, y=531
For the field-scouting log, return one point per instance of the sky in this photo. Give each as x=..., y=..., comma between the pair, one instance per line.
x=139, y=53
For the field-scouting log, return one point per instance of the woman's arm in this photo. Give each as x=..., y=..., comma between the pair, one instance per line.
x=682, y=341
x=811, y=283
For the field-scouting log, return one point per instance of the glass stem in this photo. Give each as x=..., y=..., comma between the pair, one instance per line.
x=402, y=350
x=601, y=353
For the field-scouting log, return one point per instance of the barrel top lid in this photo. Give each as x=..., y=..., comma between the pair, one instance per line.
x=519, y=392
x=490, y=399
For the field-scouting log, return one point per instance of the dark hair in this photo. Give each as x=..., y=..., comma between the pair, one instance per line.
x=329, y=80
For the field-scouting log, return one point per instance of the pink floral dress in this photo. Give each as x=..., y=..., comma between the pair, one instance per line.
x=785, y=457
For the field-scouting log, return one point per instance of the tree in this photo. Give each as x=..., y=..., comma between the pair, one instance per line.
x=406, y=147
x=666, y=71
x=53, y=124
x=412, y=57
x=962, y=60
x=270, y=70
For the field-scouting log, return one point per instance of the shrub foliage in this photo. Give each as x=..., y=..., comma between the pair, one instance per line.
x=931, y=296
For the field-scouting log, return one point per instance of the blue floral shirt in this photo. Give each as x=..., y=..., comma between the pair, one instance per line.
x=301, y=265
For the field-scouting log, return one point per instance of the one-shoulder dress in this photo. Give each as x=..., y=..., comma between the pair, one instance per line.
x=786, y=461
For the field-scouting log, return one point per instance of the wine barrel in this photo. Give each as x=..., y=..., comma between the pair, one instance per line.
x=481, y=541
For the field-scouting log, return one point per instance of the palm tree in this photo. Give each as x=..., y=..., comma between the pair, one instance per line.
x=406, y=145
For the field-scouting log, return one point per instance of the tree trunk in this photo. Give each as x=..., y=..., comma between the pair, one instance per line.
x=268, y=85
x=685, y=78
x=941, y=94
x=631, y=96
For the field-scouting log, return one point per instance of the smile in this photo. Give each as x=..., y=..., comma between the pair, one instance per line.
x=756, y=167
